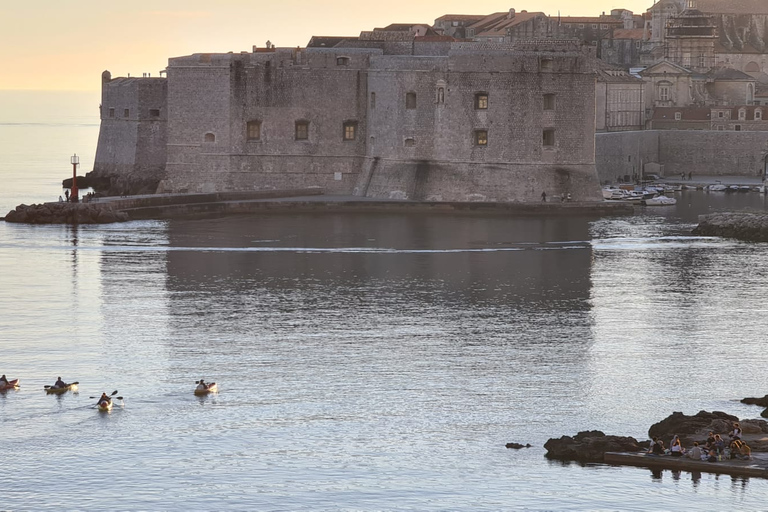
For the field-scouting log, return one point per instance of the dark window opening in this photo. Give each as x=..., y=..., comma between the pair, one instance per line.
x=549, y=102
x=209, y=137
x=549, y=138
x=342, y=61
x=154, y=112
x=410, y=101
x=481, y=137
x=111, y=112
x=409, y=143
x=373, y=100
x=126, y=112
x=546, y=64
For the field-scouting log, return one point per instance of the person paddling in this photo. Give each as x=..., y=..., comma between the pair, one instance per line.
x=202, y=385
x=4, y=381
x=104, y=399
x=60, y=384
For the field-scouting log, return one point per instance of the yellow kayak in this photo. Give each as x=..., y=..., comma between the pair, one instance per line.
x=105, y=405
x=206, y=388
x=62, y=390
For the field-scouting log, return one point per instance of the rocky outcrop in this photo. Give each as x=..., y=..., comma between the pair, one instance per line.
x=750, y=227
x=517, y=446
x=762, y=402
x=589, y=446
x=692, y=428
x=65, y=213
x=136, y=183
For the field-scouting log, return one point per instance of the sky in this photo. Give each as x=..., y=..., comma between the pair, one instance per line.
x=66, y=44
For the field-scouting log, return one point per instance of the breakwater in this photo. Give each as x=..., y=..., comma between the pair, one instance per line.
x=750, y=227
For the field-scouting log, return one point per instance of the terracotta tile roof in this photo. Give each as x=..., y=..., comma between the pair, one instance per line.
x=498, y=23
x=688, y=113
x=629, y=33
x=588, y=19
x=732, y=6
x=461, y=17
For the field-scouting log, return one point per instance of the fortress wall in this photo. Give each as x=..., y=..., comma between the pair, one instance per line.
x=703, y=153
x=453, y=181
x=131, y=150
x=713, y=153
x=621, y=154
x=439, y=136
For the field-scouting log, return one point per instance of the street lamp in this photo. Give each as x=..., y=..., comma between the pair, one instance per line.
x=75, y=160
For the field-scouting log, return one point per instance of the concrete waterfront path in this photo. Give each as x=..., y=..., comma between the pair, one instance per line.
x=757, y=467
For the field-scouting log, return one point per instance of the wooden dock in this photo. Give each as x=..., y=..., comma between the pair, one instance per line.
x=757, y=467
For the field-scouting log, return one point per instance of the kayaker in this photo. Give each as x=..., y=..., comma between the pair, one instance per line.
x=202, y=385
x=104, y=398
x=4, y=381
x=60, y=384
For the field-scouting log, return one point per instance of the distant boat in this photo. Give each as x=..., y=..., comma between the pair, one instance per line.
x=719, y=187
x=660, y=201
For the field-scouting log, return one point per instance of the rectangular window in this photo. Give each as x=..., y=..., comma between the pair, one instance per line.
x=409, y=143
x=549, y=138
x=720, y=115
x=737, y=127
x=254, y=130
x=664, y=93
x=481, y=101
x=481, y=137
x=546, y=64
x=111, y=112
x=350, y=130
x=410, y=100
x=342, y=61
x=549, y=102
x=126, y=112
x=302, y=130
x=678, y=116
x=373, y=100
x=154, y=112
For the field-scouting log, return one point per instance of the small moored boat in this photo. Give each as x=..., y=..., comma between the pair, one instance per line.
x=660, y=201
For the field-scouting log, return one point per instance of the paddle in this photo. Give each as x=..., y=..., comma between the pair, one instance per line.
x=54, y=387
x=112, y=394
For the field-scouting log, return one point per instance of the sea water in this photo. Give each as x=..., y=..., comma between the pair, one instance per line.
x=365, y=362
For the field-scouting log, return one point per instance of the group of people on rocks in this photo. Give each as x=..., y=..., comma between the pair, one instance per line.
x=714, y=448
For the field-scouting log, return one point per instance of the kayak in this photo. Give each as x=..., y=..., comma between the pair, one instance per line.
x=12, y=384
x=105, y=405
x=209, y=388
x=62, y=390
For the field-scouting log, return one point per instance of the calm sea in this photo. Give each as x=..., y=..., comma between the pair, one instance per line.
x=366, y=362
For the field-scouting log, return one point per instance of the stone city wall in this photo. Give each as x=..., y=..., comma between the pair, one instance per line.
x=703, y=153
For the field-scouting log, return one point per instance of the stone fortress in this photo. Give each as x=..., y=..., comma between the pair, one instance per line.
x=422, y=120
x=502, y=114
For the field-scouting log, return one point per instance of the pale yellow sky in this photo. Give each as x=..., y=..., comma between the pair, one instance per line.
x=66, y=44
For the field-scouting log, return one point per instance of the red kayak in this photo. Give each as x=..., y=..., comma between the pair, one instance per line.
x=12, y=384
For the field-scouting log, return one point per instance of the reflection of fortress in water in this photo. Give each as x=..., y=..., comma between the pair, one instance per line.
x=439, y=260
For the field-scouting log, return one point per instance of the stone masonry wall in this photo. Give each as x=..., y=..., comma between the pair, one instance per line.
x=703, y=153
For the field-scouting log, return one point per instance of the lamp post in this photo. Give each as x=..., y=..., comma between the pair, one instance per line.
x=75, y=162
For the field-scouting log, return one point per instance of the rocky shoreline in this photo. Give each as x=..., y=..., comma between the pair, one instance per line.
x=65, y=213
x=749, y=227
x=591, y=446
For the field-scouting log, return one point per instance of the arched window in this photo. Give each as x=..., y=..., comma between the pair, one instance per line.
x=209, y=137
x=752, y=67
x=758, y=114
x=750, y=93
x=742, y=114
